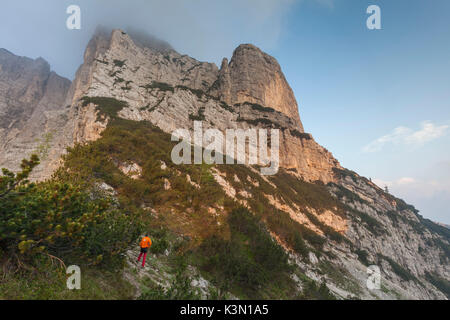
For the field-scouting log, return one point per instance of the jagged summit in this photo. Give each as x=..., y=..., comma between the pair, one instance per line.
x=140, y=37
x=251, y=75
x=254, y=76
x=13, y=64
x=148, y=40
x=5, y=52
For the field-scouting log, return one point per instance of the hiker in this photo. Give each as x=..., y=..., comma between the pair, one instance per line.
x=145, y=244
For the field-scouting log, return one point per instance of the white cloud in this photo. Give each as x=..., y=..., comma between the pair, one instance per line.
x=429, y=132
x=415, y=188
x=407, y=136
x=405, y=180
x=204, y=29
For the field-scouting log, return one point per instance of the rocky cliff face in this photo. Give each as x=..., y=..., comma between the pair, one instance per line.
x=171, y=90
x=32, y=111
x=161, y=86
x=387, y=232
x=254, y=76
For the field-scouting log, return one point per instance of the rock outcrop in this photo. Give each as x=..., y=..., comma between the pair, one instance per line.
x=254, y=76
x=32, y=111
x=385, y=231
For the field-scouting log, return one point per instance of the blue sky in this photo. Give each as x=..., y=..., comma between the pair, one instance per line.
x=379, y=100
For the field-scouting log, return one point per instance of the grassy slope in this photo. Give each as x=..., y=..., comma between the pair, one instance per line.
x=184, y=211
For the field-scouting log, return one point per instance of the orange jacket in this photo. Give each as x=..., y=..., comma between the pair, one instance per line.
x=146, y=242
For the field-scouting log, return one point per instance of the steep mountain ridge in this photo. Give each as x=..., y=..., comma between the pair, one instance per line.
x=254, y=76
x=31, y=109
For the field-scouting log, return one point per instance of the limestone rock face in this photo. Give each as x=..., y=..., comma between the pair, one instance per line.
x=117, y=66
x=40, y=108
x=397, y=233
x=32, y=111
x=118, y=53
x=169, y=90
x=254, y=76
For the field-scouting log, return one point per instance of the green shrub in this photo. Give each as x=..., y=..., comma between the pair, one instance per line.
x=312, y=291
x=107, y=107
x=199, y=93
x=258, y=121
x=259, y=107
x=62, y=219
x=248, y=260
x=159, y=85
x=362, y=256
x=225, y=106
x=180, y=288
x=119, y=63
x=160, y=241
x=399, y=270
x=300, y=135
x=372, y=224
x=442, y=284
x=101, y=61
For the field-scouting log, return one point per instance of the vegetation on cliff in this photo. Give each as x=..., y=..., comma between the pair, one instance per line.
x=73, y=218
x=92, y=212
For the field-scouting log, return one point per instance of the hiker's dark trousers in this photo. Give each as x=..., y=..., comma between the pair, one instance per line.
x=143, y=252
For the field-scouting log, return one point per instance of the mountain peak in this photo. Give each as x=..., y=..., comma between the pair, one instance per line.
x=148, y=40
x=256, y=77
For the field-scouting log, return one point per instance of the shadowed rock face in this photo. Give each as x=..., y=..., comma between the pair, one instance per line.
x=254, y=76
x=31, y=108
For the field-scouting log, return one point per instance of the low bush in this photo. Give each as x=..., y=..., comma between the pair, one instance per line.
x=119, y=63
x=107, y=107
x=442, y=284
x=312, y=291
x=398, y=269
x=180, y=287
x=61, y=219
x=248, y=260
